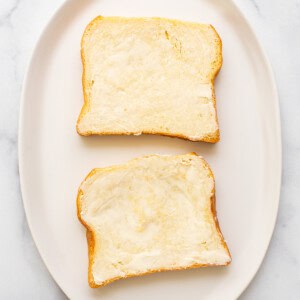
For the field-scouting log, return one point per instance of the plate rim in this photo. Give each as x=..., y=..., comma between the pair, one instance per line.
x=278, y=134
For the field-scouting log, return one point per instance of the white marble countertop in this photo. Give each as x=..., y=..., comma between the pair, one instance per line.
x=22, y=272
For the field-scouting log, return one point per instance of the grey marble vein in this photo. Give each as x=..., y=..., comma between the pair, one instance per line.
x=256, y=6
x=8, y=11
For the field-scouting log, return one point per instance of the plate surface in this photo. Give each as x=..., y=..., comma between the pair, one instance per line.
x=54, y=159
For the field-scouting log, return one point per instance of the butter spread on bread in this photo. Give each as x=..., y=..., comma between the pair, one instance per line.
x=151, y=214
x=150, y=75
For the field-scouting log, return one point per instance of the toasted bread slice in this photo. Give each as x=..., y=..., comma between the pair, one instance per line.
x=152, y=214
x=150, y=75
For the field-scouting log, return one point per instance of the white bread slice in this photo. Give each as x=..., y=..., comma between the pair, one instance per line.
x=152, y=214
x=150, y=75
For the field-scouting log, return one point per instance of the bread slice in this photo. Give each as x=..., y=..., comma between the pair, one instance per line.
x=150, y=75
x=152, y=214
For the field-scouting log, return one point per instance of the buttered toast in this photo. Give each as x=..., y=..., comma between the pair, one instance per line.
x=150, y=75
x=152, y=214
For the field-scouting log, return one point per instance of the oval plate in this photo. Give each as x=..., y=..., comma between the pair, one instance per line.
x=54, y=159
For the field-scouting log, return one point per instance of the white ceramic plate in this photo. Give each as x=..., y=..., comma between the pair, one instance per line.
x=54, y=159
